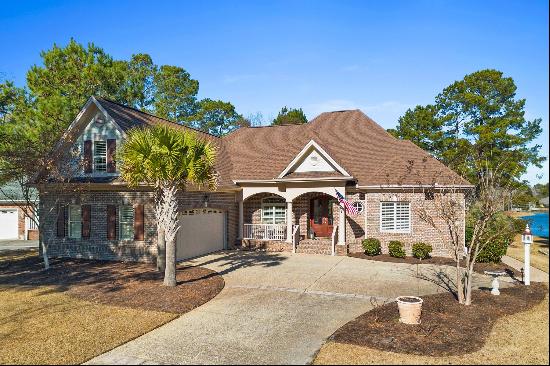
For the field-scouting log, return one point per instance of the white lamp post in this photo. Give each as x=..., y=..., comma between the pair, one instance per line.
x=527, y=240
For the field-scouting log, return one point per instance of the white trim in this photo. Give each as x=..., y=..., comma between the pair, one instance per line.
x=81, y=113
x=78, y=221
x=97, y=156
x=111, y=119
x=73, y=124
x=433, y=186
x=302, y=153
x=271, y=204
x=296, y=180
x=120, y=222
x=359, y=211
x=395, y=231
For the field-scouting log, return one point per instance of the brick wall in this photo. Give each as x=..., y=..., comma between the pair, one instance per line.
x=435, y=235
x=98, y=246
x=356, y=227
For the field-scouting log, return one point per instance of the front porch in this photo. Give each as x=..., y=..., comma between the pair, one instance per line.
x=311, y=222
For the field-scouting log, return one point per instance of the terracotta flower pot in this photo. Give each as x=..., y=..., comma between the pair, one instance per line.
x=410, y=309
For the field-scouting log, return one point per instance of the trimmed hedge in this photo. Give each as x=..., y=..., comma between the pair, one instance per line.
x=396, y=250
x=372, y=246
x=421, y=250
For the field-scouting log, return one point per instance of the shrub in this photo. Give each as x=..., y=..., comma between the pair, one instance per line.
x=493, y=249
x=421, y=250
x=396, y=250
x=372, y=246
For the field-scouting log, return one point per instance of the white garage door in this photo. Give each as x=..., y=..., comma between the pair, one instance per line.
x=8, y=224
x=202, y=231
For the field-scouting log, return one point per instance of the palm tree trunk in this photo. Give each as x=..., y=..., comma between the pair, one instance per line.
x=161, y=249
x=170, y=270
x=171, y=227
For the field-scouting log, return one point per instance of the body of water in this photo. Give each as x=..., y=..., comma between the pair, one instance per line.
x=538, y=224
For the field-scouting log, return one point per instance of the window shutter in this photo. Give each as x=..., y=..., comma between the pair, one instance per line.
x=86, y=211
x=111, y=151
x=88, y=156
x=111, y=222
x=60, y=221
x=139, y=220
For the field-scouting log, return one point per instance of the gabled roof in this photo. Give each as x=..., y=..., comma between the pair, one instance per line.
x=312, y=145
x=354, y=144
x=359, y=145
x=128, y=118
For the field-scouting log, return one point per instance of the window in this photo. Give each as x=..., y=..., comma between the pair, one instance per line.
x=126, y=223
x=100, y=156
x=75, y=222
x=358, y=206
x=273, y=210
x=395, y=217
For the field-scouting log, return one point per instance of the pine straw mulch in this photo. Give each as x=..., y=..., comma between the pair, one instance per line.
x=447, y=328
x=440, y=261
x=132, y=285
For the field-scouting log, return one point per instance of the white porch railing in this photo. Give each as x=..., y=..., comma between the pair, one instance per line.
x=264, y=231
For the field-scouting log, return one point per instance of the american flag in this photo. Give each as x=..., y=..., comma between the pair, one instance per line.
x=347, y=204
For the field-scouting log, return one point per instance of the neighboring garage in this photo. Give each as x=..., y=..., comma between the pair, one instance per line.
x=202, y=231
x=9, y=223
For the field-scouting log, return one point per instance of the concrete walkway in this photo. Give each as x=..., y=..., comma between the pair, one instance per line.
x=536, y=274
x=18, y=244
x=278, y=308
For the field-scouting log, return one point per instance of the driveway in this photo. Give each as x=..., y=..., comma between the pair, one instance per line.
x=277, y=308
x=18, y=244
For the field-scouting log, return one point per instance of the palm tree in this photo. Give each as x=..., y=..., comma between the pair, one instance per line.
x=167, y=159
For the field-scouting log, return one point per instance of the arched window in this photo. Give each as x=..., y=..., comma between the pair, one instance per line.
x=273, y=210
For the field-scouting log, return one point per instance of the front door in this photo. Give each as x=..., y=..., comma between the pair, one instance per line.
x=320, y=216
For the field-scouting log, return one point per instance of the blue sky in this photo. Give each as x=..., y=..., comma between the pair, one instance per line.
x=380, y=56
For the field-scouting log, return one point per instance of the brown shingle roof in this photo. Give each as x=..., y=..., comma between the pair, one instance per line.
x=128, y=118
x=357, y=143
x=362, y=147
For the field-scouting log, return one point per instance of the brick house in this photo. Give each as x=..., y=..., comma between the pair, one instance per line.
x=277, y=190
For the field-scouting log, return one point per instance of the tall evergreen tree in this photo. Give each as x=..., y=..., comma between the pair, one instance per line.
x=477, y=119
x=290, y=116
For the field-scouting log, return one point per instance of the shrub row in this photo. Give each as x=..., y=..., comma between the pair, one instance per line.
x=372, y=247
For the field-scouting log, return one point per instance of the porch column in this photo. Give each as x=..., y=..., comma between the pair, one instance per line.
x=289, y=222
x=241, y=218
x=342, y=226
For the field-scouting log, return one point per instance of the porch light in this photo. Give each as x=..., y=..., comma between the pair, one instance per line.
x=527, y=240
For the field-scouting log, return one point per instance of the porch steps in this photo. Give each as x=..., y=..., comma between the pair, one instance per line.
x=315, y=246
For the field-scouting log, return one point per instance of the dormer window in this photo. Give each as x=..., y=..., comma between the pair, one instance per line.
x=100, y=156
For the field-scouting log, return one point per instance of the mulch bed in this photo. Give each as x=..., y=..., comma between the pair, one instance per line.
x=447, y=328
x=440, y=261
x=133, y=285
